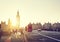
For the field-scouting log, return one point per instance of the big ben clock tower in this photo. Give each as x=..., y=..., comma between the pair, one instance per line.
x=18, y=20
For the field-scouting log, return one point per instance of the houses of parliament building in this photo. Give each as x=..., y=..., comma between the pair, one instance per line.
x=4, y=26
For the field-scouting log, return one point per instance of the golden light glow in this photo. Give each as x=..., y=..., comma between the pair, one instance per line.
x=13, y=21
x=30, y=10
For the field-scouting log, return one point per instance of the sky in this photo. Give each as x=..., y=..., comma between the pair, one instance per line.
x=33, y=11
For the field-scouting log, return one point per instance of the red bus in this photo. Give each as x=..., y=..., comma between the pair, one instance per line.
x=29, y=27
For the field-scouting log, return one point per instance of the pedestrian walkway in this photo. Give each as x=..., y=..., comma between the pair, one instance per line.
x=8, y=39
x=25, y=36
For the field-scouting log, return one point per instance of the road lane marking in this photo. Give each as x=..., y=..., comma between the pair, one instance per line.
x=49, y=37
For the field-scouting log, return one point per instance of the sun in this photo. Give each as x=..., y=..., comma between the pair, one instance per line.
x=13, y=22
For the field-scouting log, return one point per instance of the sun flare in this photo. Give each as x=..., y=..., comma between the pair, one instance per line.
x=13, y=22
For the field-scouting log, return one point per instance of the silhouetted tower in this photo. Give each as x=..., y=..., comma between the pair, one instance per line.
x=9, y=23
x=17, y=19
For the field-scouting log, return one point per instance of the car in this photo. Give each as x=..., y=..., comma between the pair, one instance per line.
x=39, y=29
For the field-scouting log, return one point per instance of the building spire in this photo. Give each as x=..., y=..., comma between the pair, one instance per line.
x=9, y=23
x=18, y=19
x=18, y=13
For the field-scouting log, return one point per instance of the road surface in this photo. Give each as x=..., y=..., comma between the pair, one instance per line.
x=34, y=36
x=43, y=36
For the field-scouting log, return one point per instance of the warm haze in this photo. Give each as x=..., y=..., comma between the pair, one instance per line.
x=30, y=11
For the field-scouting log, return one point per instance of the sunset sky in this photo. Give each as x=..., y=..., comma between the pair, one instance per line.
x=30, y=11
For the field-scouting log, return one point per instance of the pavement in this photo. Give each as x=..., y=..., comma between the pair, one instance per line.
x=14, y=37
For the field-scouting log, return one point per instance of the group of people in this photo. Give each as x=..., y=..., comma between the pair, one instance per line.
x=20, y=30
